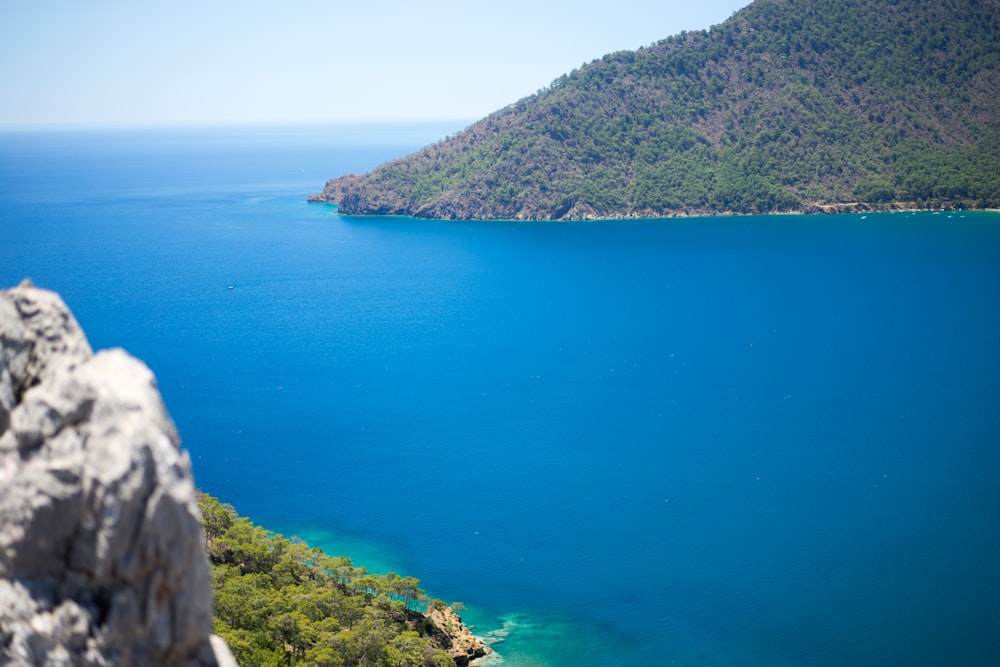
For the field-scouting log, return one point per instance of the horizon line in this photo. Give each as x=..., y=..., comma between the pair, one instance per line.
x=81, y=126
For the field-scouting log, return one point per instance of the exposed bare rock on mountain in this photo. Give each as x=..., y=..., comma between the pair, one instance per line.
x=101, y=558
x=463, y=645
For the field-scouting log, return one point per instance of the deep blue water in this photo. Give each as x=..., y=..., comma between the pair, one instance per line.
x=716, y=441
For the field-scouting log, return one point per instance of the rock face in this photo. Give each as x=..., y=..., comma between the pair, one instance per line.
x=464, y=646
x=101, y=558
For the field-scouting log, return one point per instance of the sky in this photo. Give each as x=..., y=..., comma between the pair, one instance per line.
x=69, y=63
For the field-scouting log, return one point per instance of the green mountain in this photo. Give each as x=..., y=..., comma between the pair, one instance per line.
x=788, y=105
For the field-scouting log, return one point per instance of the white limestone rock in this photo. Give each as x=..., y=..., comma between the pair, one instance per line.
x=101, y=558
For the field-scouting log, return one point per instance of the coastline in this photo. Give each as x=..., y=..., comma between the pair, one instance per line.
x=464, y=647
x=835, y=208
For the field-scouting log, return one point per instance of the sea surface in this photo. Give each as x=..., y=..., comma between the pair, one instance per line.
x=707, y=441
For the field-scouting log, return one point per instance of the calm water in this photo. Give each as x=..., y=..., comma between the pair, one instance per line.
x=719, y=441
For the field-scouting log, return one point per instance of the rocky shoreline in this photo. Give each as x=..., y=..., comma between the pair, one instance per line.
x=337, y=189
x=464, y=646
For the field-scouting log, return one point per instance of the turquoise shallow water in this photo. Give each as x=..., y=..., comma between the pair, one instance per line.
x=718, y=441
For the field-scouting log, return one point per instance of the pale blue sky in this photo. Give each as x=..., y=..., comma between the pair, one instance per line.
x=112, y=62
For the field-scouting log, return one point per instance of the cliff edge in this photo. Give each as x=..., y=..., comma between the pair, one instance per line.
x=101, y=552
x=463, y=646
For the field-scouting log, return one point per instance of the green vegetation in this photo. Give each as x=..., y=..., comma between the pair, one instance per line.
x=279, y=602
x=785, y=106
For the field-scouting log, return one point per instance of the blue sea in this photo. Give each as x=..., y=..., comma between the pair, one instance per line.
x=711, y=441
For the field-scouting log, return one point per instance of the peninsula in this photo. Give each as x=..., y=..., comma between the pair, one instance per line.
x=786, y=106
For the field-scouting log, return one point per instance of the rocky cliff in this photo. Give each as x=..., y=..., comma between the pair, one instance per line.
x=101, y=556
x=463, y=646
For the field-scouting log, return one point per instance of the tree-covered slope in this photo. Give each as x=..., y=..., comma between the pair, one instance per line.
x=788, y=105
x=280, y=602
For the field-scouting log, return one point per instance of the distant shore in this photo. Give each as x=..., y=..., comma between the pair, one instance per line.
x=832, y=208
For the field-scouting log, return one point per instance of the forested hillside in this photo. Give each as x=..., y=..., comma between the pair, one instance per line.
x=788, y=105
x=280, y=602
